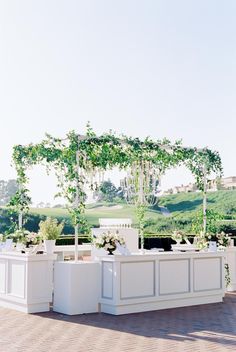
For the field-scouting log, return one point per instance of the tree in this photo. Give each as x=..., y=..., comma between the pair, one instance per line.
x=7, y=190
x=108, y=192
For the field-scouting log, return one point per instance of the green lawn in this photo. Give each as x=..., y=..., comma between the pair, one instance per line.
x=183, y=208
x=96, y=211
x=183, y=203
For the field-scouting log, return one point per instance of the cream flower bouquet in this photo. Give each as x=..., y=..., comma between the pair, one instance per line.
x=178, y=236
x=108, y=241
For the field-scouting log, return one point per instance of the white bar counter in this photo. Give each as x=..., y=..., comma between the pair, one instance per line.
x=26, y=281
x=144, y=282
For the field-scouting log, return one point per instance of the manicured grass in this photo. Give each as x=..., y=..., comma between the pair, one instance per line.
x=178, y=204
x=96, y=211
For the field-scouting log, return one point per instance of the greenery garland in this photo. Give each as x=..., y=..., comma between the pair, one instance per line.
x=227, y=275
x=102, y=153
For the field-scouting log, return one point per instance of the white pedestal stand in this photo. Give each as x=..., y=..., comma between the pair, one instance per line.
x=26, y=281
x=77, y=287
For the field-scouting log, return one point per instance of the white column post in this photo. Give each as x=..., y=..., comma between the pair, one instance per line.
x=76, y=204
x=20, y=220
x=204, y=198
x=20, y=213
x=141, y=197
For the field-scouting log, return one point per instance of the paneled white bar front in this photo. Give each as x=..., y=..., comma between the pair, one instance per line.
x=145, y=282
x=26, y=281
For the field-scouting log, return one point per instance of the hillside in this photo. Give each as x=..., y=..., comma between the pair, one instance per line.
x=96, y=211
x=223, y=202
x=182, y=212
x=187, y=204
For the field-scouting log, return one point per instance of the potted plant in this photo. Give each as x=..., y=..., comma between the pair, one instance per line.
x=49, y=231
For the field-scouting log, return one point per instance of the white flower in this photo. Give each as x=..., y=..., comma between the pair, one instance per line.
x=177, y=235
x=108, y=240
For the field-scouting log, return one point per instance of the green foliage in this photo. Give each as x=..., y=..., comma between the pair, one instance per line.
x=8, y=220
x=24, y=236
x=108, y=192
x=101, y=153
x=166, y=225
x=18, y=236
x=189, y=203
x=140, y=213
x=212, y=218
x=49, y=229
x=70, y=240
x=231, y=209
x=227, y=226
x=20, y=201
x=79, y=218
x=184, y=208
x=227, y=275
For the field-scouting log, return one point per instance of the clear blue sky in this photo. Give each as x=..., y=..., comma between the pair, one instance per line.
x=163, y=68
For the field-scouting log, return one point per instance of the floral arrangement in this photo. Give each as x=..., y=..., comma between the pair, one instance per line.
x=25, y=237
x=18, y=235
x=222, y=239
x=108, y=241
x=32, y=238
x=178, y=236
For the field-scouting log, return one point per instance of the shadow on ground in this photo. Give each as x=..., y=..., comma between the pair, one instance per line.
x=215, y=323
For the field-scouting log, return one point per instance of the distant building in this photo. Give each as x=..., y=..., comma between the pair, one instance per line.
x=212, y=186
x=191, y=187
x=43, y=205
x=228, y=182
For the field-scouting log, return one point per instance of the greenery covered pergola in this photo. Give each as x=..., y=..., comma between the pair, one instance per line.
x=78, y=160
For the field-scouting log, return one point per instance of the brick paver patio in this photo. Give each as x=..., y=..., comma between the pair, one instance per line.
x=209, y=327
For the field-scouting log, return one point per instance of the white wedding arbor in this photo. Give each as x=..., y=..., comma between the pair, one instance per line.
x=81, y=159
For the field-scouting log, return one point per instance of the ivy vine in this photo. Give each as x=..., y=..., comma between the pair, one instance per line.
x=76, y=157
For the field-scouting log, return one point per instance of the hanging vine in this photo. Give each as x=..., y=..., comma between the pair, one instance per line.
x=80, y=161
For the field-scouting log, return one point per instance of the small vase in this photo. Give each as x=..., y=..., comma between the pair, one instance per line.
x=28, y=244
x=178, y=242
x=49, y=246
x=110, y=251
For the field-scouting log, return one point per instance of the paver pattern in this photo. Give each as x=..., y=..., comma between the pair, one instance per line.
x=210, y=327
